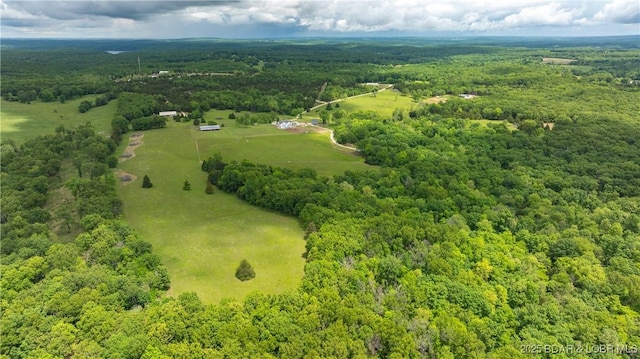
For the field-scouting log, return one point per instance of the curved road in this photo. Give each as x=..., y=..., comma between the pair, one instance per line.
x=333, y=140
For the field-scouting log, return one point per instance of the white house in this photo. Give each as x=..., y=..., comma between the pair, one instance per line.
x=168, y=113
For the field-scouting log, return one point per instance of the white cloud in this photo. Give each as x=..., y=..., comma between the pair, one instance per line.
x=621, y=12
x=550, y=14
x=331, y=16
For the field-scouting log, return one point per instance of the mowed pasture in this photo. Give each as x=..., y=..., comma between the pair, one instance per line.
x=21, y=121
x=202, y=238
x=383, y=102
x=302, y=148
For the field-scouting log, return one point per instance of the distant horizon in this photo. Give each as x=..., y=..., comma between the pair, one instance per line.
x=266, y=19
x=328, y=37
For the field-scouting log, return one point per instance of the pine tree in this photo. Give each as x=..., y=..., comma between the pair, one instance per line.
x=187, y=185
x=146, y=182
x=244, y=271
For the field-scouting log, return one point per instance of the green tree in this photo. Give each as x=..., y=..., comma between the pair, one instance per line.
x=187, y=185
x=244, y=271
x=146, y=182
x=209, y=189
x=325, y=117
x=85, y=106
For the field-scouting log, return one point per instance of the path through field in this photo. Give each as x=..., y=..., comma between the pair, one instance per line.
x=333, y=139
x=344, y=99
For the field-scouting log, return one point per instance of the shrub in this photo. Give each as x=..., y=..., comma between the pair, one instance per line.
x=146, y=182
x=245, y=272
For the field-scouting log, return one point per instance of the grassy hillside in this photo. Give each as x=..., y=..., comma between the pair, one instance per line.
x=384, y=103
x=21, y=121
x=202, y=238
x=269, y=145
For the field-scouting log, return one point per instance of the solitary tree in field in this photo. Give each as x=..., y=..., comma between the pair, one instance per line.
x=187, y=185
x=146, y=182
x=244, y=271
x=209, y=189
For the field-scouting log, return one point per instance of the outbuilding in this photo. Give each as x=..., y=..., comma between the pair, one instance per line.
x=210, y=128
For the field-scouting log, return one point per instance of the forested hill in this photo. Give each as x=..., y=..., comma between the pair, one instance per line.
x=504, y=225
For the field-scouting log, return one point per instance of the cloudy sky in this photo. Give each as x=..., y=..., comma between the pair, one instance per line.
x=294, y=18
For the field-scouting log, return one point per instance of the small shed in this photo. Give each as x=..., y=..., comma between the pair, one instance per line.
x=168, y=113
x=210, y=128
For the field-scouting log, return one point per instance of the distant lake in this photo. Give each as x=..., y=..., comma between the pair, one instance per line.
x=115, y=52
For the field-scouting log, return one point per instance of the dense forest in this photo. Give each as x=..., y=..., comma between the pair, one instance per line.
x=485, y=233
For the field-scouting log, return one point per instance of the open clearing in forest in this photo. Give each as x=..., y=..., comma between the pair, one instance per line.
x=22, y=121
x=268, y=145
x=202, y=238
x=556, y=61
x=384, y=103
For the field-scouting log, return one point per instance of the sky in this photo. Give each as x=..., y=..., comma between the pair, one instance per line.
x=316, y=18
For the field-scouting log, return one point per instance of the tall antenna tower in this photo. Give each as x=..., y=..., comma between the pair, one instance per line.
x=139, y=68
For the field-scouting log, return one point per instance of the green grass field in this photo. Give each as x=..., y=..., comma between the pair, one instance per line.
x=202, y=238
x=384, y=103
x=268, y=145
x=22, y=121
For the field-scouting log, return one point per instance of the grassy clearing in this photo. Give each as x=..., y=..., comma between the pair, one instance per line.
x=486, y=123
x=202, y=238
x=22, y=121
x=556, y=61
x=268, y=145
x=384, y=103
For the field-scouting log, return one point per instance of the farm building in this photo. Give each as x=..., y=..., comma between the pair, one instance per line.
x=210, y=128
x=284, y=125
x=168, y=113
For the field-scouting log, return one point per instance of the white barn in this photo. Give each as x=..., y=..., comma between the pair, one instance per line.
x=168, y=113
x=210, y=128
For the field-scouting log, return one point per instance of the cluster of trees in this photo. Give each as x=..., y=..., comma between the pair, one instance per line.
x=57, y=292
x=245, y=119
x=465, y=252
x=136, y=112
x=472, y=240
x=148, y=123
x=99, y=101
x=30, y=170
